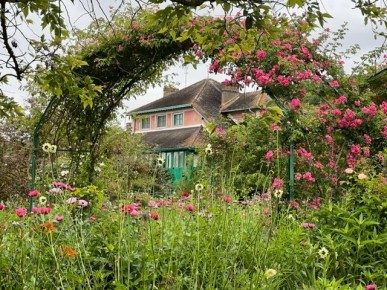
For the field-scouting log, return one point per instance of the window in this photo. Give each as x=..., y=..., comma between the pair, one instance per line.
x=178, y=119
x=161, y=121
x=145, y=123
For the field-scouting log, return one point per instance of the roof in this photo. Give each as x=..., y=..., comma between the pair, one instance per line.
x=175, y=138
x=202, y=95
x=247, y=101
x=206, y=98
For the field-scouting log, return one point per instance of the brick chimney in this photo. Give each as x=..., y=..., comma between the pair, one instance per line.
x=229, y=94
x=169, y=90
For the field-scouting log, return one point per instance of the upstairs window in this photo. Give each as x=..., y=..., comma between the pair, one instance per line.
x=178, y=119
x=161, y=121
x=145, y=123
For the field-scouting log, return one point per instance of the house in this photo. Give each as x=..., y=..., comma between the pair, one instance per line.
x=173, y=124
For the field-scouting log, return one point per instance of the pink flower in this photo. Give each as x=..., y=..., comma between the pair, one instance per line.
x=41, y=210
x=355, y=149
x=308, y=177
x=265, y=196
x=214, y=67
x=59, y=218
x=371, y=110
x=308, y=226
x=294, y=205
x=303, y=153
x=190, y=208
x=261, y=54
x=334, y=84
x=318, y=165
x=33, y=193
x=384, y=133
x=21, y=212
x=298, y=176
x=82, y=203
x=2, y=206
x=275, y=127
x=128, y=208
x=134, y=213
x=383, y=107
x=71, y=200
x=295, y=104
x=269, y=155
x=341, y=100
x=277, y=183
x=357, y=103
x=367, y=139
x=266, y=211
x=370, y=287
x=336, y=112
x=154, y=215
x=329, y=139
x=284, y=80
x=315, y=203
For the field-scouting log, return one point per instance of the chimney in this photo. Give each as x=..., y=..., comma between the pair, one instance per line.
x=229, y=93
x=169, y=90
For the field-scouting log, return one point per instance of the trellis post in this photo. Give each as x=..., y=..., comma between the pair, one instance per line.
x=35, y=147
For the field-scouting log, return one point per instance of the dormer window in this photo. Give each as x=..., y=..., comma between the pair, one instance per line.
x=145, y=123
x=161, y=121
x=178, y=119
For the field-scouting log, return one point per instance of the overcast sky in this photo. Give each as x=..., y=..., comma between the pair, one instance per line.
x=340, y=10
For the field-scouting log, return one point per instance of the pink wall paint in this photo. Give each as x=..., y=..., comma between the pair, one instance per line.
x=190, y=118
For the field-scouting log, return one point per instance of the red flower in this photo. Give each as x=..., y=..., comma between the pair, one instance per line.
x=41, y=210
x=227, y=198
x=334, y=84
x=154, y=215
x=190, y=207
x=21, y=212
x=185, y=194
x=33, y=193
x=2, y=206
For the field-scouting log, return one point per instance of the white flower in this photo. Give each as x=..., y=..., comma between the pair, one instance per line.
x=270, y=273
x=42, y=200
x=46, y=147
x=64, y=172
x=362, y=176
x=323, y=252
x=209, y=151
x=199, y=187
x=278, y=193
x=291, y=217
x=53, y=149
x=160, y=161
x=96, y=168
x=55, y=190
x=348, y=170
x=209, y=146
x=102, y=164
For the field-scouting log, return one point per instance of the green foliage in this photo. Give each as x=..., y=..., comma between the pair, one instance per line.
x=354, y=231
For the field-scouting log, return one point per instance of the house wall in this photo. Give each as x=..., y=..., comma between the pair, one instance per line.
x=190, y=118
x=239, y=117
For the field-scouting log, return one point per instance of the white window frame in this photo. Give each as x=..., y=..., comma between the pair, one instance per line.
x=157, y=120
x=182, y=119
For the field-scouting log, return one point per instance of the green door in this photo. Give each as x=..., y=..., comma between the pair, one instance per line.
x=176, y=164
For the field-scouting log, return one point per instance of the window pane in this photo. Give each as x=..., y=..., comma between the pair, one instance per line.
x=175, y=159
x=145, y=123
x=181, y=159
x=161, y=121
x=178, y=119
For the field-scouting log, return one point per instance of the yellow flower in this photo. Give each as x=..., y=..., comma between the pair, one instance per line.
x=270, y=273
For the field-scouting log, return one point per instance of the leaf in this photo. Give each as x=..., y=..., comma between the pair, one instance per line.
x=293, y=3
